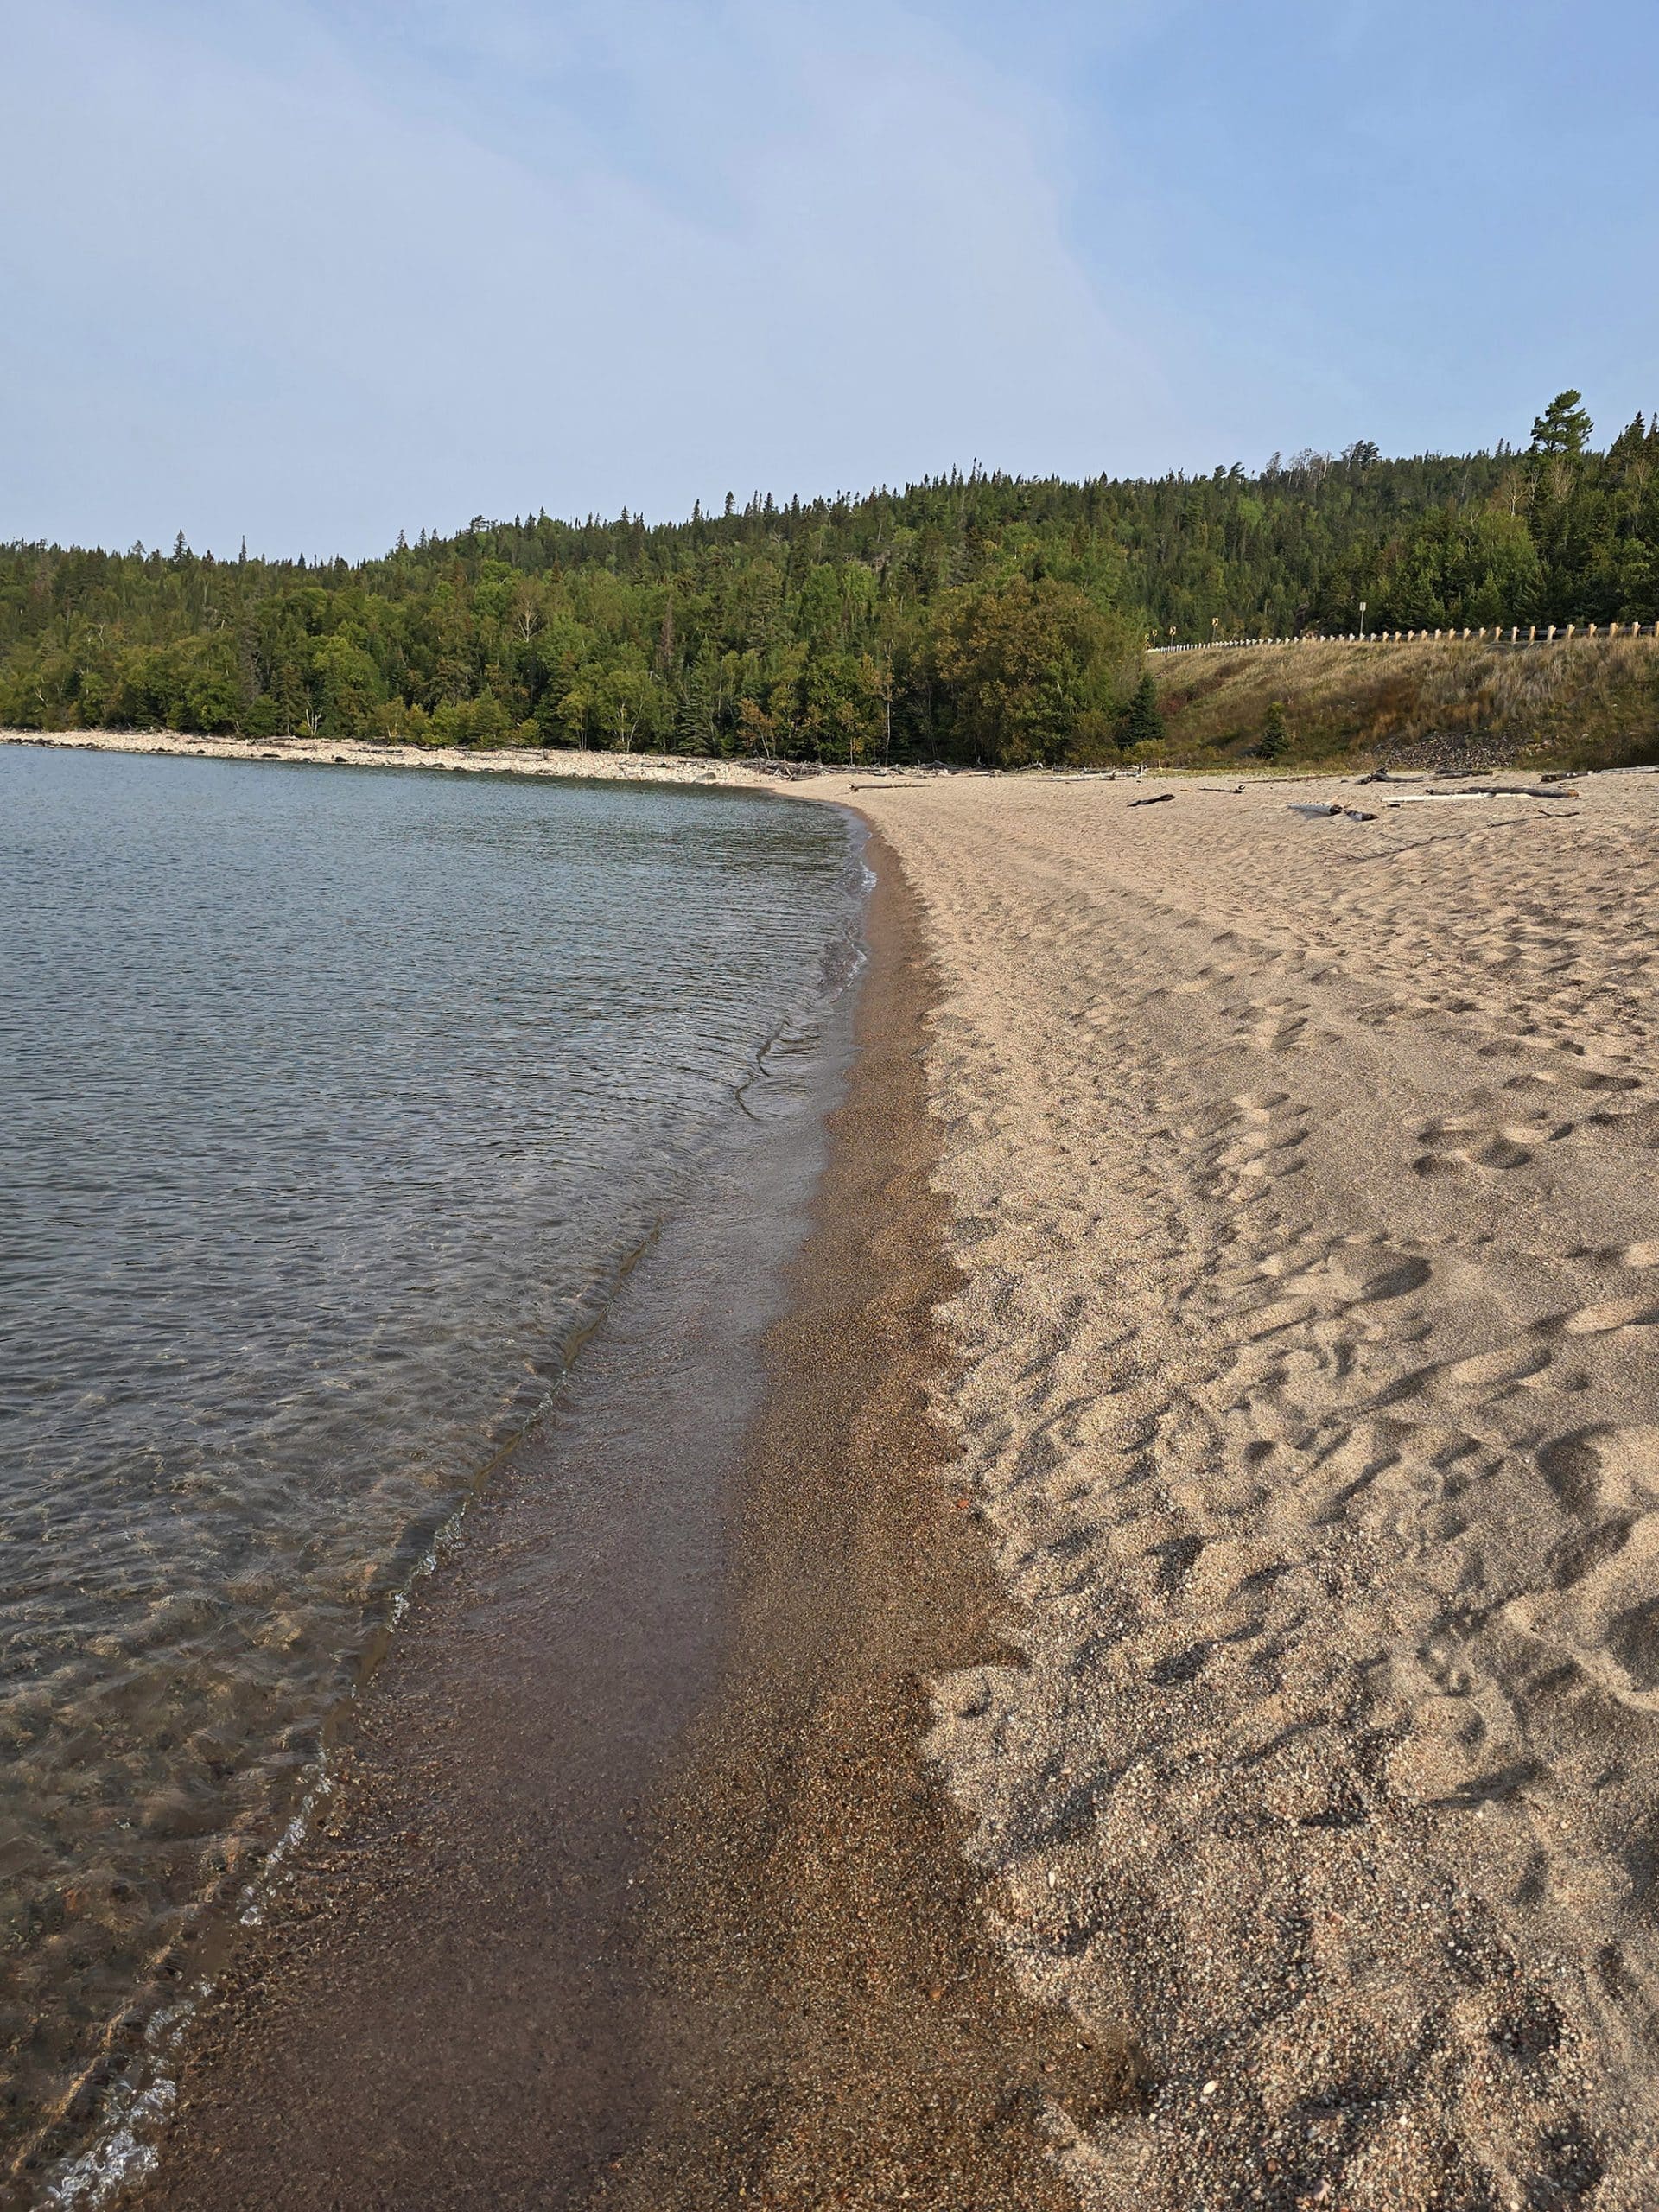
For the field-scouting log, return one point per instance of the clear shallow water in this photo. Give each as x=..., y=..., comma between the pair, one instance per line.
x=333, y=1103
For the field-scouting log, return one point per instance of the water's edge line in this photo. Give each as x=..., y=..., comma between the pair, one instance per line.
x=574, y=765
x=122, y=2154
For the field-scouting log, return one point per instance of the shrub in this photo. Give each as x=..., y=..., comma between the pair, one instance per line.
x=1275, y=733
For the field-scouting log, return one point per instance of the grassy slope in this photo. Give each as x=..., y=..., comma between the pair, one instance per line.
x=1592, y=703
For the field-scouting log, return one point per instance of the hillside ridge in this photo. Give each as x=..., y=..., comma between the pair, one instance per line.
x=970, y=618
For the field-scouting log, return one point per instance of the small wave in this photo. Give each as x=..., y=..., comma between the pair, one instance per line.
x=125, y=2150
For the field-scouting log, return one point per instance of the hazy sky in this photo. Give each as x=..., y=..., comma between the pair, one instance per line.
x=317, y=269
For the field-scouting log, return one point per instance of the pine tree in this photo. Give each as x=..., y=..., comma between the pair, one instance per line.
x=949, y=588
x=1564, y=426
x=1143, y=724
x=1275, y=733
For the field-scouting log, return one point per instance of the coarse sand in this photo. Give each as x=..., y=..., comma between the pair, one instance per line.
x=1305, y=1186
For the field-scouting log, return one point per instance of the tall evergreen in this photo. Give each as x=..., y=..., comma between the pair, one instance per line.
x=1142, y=723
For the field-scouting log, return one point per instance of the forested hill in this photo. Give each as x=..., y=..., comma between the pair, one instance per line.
x=981, y=616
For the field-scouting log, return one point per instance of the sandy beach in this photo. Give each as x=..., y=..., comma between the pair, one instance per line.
x=829, y=1109
x=1302, y=1178
x=1187, y=1737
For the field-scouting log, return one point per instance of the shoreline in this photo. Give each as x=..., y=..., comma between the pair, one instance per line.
x=1211, y=1427
x=836, y=2021
x=350, y=753
x=686, y=1926
x=108, y=2009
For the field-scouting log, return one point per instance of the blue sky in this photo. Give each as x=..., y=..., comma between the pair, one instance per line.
x=313, y=270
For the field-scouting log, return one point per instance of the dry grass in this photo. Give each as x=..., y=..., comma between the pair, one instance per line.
x=1589, y=703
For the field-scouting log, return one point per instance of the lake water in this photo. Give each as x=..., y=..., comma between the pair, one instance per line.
x=335, y=1104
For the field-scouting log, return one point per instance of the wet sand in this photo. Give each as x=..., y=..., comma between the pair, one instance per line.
x=837, y=2025
x=444, y=2007
x=538, y=1956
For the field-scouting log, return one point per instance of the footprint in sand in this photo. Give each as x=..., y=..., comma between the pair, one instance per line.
x=1368, y=1274
x=1483, y=1379
x=1453, y=1145
x=1607, y=1619
x=1608, y=1468
x=1602, y=1610
x=1637, y=1125
x=1559, y=1063
x=1470, y=1142
x=1612, y=1314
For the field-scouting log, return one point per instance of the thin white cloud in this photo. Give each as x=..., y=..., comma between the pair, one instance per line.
x=315, y=277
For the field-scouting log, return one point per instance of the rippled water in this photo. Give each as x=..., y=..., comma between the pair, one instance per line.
x=333, y=1103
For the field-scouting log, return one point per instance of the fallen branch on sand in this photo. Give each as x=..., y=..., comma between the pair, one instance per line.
x=1156, y=798
x=1490, y=790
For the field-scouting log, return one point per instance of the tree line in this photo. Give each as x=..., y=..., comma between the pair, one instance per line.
x=967, y=617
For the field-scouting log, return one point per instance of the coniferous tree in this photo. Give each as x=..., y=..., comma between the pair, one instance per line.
x=1275, y=740
x=1564, y=427
x=1142, y=723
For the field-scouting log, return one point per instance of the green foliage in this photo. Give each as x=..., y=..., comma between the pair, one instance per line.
x=1020, y=664
x=1563, y=426
x=1142, y=722
x=976, y=617
x=1275, y=740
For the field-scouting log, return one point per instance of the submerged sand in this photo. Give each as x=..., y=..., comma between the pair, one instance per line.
x=534, y=1956
x=1304, y=1190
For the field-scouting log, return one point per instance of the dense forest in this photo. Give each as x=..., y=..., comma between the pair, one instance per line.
x=968, y=617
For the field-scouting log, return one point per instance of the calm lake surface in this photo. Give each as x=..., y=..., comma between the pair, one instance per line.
x=335, y=1103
